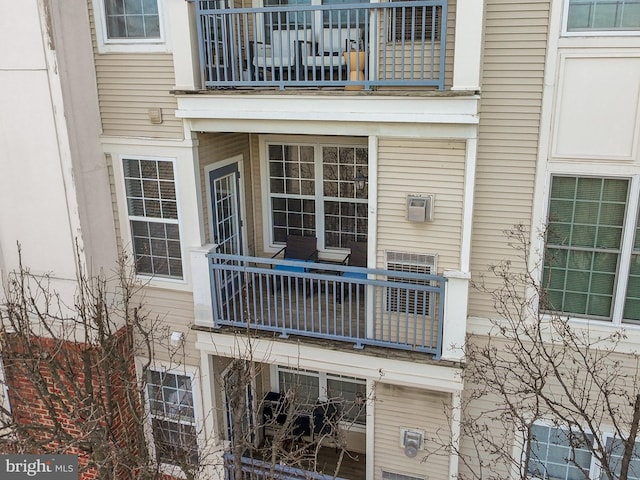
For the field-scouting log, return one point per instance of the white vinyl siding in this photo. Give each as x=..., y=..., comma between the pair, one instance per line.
x=399, y=407
x=514, y=53
x=421, y=167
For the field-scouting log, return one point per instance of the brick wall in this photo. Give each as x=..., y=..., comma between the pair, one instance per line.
x=76, y=398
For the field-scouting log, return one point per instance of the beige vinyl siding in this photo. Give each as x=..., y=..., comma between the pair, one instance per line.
x=215, y=147
x=114, y=203
x=172, y=311
x=402, y=407
x=257, y=198
x=426, y=167
x=129, y=84
x=512, y=82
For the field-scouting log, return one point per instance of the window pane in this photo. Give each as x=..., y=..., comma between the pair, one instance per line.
x=171, y=405
x=586, y=217
x=603, y=15
x=132, y=19
x=632, y=299
x=295, y=189
x=351, y=395
x=306, y=388
x=617, y=450
x=554, y=455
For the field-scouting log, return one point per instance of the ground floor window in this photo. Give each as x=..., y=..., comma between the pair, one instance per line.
x=170, y=397
x=313, y=191
x=558, y=453
x=348, y=393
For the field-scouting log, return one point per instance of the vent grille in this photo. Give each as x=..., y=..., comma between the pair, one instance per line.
x=386, y=475
x=404, y=300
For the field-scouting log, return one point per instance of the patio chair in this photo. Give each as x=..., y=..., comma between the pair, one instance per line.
x=280, y=56
x=328, y=52
x=357, y=258
x=300, y=249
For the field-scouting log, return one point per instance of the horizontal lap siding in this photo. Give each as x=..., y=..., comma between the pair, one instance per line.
x=402, y=407
x=215, y=147
x=426, y=167
x=129, y=84
x=512, y=82
x=172, y=311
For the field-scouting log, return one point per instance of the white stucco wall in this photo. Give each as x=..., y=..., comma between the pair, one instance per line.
x=39, y=206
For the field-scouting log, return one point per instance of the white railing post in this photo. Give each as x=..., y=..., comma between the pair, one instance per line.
x=200, y=280
x=455, y=314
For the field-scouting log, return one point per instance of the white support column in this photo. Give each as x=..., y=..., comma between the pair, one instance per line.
x=471, y=156
x=456, y=417
x=372, y=234
x=468, y=45
x=455, y=314
x=202, y=301
x=370, y=433
x=213, y=448
x=184, y=44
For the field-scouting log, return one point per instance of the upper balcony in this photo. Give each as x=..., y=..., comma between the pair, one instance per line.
x=355, y=46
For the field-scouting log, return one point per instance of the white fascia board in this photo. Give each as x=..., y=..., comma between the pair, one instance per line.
x=312, y=127
x=370, y=109
x=293, y=354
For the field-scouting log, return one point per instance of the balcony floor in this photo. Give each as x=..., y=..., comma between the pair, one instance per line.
x=313, y=307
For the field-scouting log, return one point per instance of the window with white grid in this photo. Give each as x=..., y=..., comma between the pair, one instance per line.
x=592, y=251
x=602, y=15
x=153, y=216
x=312, y=192
x=170, y=397
x=347, y=392
x=132, y=19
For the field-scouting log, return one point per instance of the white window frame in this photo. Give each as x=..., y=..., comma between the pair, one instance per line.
x=605, y=438
x=187, y=371
x=129, y=45
x=322, y=386
x=591, y=33
x=595, y=468
x=4, y=397
x=626, y=247
x=129, y=218
x=317, y=143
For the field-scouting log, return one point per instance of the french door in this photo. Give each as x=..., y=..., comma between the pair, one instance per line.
x=226, y=227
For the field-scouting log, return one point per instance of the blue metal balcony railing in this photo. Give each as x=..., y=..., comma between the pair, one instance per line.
x=253, y=468
x=360, y=45
x=362, y=306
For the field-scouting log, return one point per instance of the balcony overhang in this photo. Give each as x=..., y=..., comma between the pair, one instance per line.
x=394, y=370
x=451, y=115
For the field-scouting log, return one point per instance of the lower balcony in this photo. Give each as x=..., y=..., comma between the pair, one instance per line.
x=331, y=301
